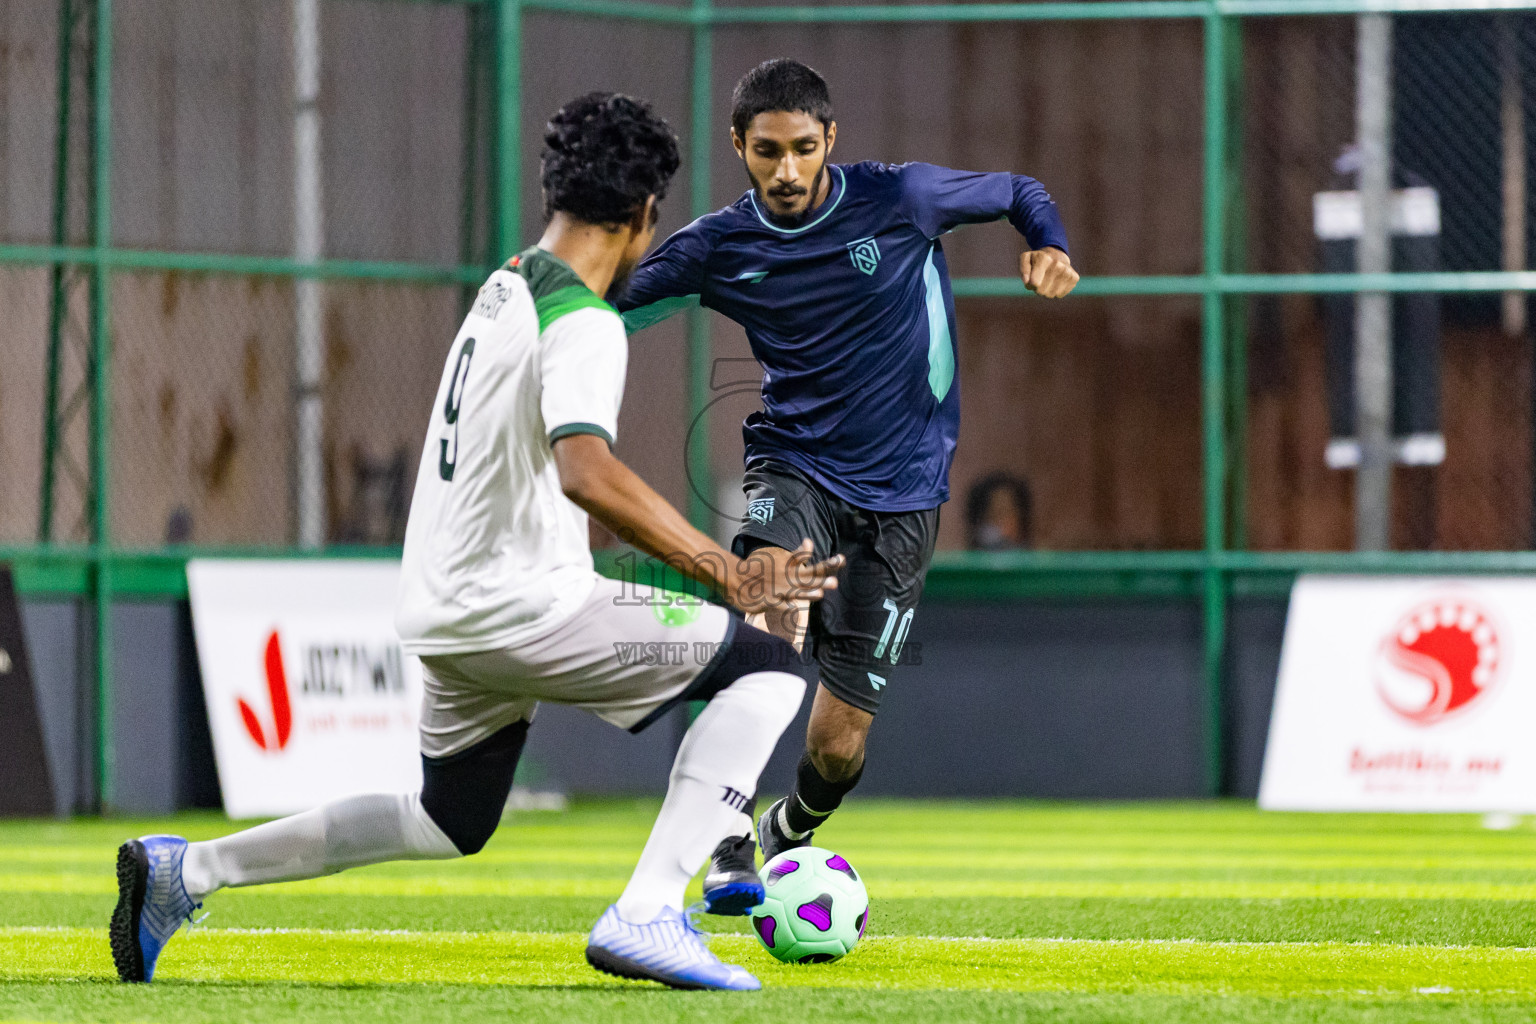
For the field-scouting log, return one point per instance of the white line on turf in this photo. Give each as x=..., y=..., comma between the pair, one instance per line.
x=1055, y=939
x=1225, y=943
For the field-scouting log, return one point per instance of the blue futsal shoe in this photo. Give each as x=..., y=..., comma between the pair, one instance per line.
x=731, y=886
x=151, y=903
x=669, y=949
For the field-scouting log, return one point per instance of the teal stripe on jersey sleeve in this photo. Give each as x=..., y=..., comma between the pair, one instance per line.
x=636, y=320
x=557, y=304
x=567, y=429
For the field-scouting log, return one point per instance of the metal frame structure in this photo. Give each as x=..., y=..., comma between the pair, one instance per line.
x=66, y=339
x=102, y=572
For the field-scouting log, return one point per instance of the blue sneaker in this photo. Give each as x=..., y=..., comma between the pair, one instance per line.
x=151, y=903
x=731, y=886
x=669, y=950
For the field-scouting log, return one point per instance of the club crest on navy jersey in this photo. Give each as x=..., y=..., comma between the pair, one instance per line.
x=865, y=253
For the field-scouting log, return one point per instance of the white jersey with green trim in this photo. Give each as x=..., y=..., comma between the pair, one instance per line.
x=494, y=550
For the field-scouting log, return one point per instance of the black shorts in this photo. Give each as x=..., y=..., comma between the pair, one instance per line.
x=858, y=632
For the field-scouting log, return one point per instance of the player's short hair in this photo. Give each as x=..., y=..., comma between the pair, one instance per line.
x=780, y=84
x=604, y=153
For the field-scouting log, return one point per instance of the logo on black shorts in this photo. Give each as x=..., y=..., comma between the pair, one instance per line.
x=760, y=510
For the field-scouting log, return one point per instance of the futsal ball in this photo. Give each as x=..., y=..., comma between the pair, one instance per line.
x=814, y=908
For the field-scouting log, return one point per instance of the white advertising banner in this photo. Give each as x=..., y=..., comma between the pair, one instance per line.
x=309, y=695
x=1405, y=694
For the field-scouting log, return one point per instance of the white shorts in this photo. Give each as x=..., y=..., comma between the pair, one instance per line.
x=628, y=654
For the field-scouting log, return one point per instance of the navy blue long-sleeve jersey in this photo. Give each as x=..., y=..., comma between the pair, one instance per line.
x=851, y=315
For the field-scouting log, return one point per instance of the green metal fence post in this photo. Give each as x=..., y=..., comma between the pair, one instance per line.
x=701, y=491
x=57, y=298
x=101, y=406
x=1237, y=306
x=1213, y=387
x=509, y=142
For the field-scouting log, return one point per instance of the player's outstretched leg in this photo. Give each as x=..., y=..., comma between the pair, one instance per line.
x=162, y=879
x=645, y=934
x=732, y=886
x=831, y=766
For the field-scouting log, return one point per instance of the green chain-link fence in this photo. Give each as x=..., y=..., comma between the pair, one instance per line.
x=1173, y=421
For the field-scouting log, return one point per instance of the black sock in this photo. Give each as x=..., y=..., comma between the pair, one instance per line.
x=465, y=793
x=814, y=798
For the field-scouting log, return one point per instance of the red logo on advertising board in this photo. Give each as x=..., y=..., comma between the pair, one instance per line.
x=277, y=693
x=1440, y=658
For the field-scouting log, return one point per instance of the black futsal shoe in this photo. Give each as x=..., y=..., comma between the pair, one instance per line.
x=772, y=838
x=732, y=888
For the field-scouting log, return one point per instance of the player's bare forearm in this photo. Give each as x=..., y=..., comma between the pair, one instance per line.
x=1048, y=272
x=615, y=496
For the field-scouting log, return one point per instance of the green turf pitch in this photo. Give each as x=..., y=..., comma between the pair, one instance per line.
x=980, y=911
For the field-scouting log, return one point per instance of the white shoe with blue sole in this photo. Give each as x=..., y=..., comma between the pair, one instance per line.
x=668, y=949
x=152, y=903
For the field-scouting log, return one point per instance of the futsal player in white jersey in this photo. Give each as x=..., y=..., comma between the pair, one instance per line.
x=499, y=599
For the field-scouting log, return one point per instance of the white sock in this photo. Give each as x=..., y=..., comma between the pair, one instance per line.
x=342, y=834
x=716, y=769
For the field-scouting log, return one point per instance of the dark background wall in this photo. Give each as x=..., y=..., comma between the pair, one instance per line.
x=1060, y=699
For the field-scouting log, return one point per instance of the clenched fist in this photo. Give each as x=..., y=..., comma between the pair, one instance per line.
x=1047, y=272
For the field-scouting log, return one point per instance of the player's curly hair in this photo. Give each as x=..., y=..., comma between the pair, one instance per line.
x=604, y=153
x=780, y=84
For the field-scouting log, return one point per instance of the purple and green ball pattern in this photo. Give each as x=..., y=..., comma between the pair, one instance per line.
x=815, y=908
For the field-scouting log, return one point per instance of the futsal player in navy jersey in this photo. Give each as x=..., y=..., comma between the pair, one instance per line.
x=837, y=275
